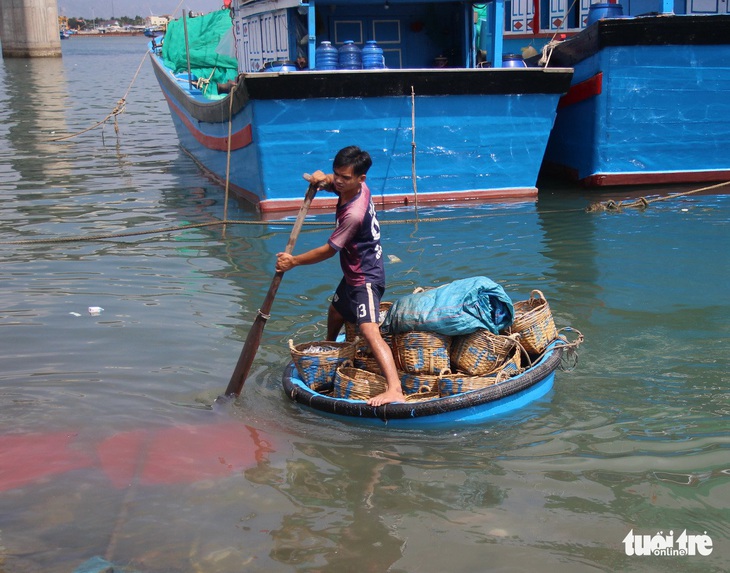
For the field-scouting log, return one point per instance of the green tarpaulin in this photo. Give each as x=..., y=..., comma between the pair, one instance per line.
x=207, y=59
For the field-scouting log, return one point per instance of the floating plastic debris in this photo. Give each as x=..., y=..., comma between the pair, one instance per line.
x=74, y=314
x=393, y=259
x=95, y=310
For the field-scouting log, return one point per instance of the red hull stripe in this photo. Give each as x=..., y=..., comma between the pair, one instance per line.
x=290, y=206
x=610, y=179
x=239, y=139
x=582, y=91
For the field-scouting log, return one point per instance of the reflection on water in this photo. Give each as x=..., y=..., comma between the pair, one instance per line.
x=34, y=111
x=109, y=448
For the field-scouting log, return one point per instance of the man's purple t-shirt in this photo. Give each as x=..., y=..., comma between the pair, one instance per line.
x=357, y=238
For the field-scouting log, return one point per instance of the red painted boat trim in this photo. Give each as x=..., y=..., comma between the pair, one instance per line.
x=240, y=139
x=582, y=91
x=291, y=206
x=618, y=179
x=615, y=179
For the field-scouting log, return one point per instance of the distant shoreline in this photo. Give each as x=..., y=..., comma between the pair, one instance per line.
x=98, y=34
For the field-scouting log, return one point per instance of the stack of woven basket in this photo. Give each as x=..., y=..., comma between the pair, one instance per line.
x=433, y=365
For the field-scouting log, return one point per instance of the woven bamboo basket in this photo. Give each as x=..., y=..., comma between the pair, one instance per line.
x=355, y=384
x=367, y=362
x=415, y=383
x=317, y=361
x=457, y=383
x=421, y=352
x=480, y=352
x=423, y=394
x=513, y=363
x=534, y=323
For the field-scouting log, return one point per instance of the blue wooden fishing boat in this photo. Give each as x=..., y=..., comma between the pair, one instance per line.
x=473, y=407
x=648, y=102
x=436, y=134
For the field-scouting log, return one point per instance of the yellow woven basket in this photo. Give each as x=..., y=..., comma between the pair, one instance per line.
x=457, y=383
x=421, y=352
x=355, y=384
x=534, y=323
x=416, y=383
x=317, y=361
x=422, y=395
x=481, y=352
x=367, y=362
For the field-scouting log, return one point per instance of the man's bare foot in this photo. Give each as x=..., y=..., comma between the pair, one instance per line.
x=387, y=397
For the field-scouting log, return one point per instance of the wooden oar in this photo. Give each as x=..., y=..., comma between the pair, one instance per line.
x=254, y=336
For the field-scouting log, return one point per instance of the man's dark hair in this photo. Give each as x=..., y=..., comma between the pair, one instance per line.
x=355, y=157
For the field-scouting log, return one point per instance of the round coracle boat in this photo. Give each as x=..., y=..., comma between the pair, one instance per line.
x=505, y=395
x=488, y=358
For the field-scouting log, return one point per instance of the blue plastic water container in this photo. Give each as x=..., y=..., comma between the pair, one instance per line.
x=513, y=61
x=326, y=56
x=603, y=10
x=350, y=56
x=372, y=56
x=283, y=66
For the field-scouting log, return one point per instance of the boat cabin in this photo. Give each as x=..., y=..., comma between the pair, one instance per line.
x=425, y=34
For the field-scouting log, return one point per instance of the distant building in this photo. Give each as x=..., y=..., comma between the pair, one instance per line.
x=155, y=21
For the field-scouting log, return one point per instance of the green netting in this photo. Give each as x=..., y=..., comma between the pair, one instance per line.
x=204, y=35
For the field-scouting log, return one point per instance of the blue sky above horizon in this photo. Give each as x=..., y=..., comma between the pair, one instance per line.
x=131, y=8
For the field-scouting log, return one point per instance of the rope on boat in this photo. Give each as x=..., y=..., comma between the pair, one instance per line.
x=204, y=83
x=228, y=153
x=643, y=202
x=547, y=49
x=608, y=206
x=117, y=111
x=413, y=148
x=224, y=222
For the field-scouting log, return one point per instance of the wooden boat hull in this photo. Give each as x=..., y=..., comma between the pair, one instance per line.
x=647, y=104
x=467, y=408
x=479, y=133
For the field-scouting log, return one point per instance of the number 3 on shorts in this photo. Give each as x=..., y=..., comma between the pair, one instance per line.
x=361, y=310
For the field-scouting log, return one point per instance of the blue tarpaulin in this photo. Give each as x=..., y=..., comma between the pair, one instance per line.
x=460, y=307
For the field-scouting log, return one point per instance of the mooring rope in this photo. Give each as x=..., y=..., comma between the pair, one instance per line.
x=413, y=148
x=118, y=109
x=594, y=207
x=643, y=202
x=547, y=49
x=204, y=83
x=228, y=153
x=610, y=205
x=277, y=222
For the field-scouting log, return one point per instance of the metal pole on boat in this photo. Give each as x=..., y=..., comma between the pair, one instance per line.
x=187, y=50
x=312, y=35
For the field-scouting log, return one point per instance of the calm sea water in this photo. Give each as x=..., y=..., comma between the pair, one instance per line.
x=109, y=447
